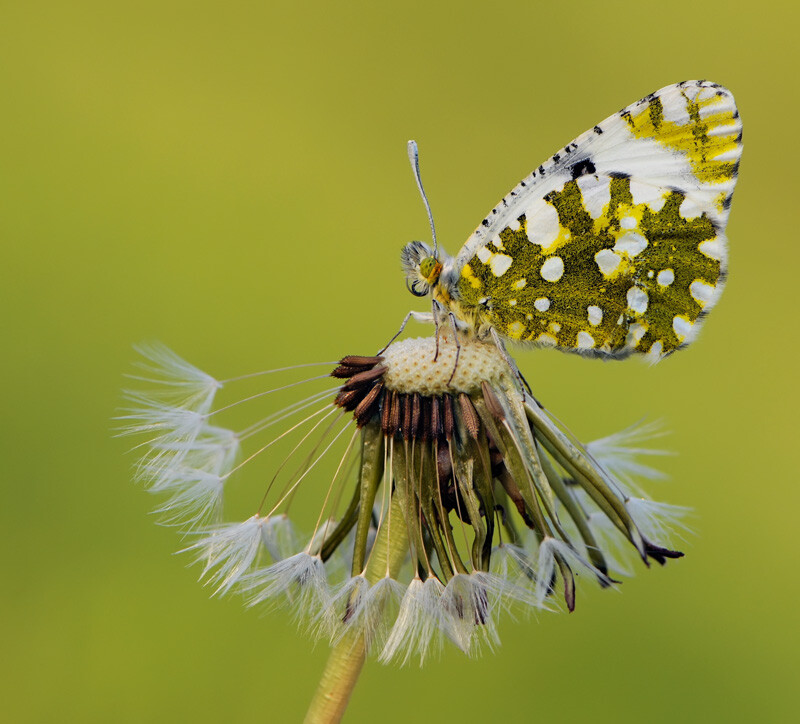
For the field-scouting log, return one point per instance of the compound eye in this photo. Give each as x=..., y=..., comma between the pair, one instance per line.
x=430, y=268
x=417, y=288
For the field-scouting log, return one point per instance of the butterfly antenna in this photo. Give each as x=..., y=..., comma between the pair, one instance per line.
x=413, y=156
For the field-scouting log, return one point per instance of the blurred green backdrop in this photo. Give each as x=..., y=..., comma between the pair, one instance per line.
x=231, y=178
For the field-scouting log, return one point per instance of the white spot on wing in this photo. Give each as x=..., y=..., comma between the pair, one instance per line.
x=637, y=300
x=500, y=263
x=648, y=194
x=702, y=292
x=682, y=327
x=656, y=350
x=675, y=108
x=542, y=304
x=542, y=226
x=552, y=269
x=596, y=194
x=665, y=277
x=547, y=340
x=483, y=254
x=635, y=334
x=631, y=243
x=515, y=330
x=607, y=261
x=514, y=225
x=595, y=315
x=713, y=248
x=690, y=209
x=585, y=340
x=706, y=93
x=520, y=283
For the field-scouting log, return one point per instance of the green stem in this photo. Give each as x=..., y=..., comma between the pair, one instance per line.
x=348, y=655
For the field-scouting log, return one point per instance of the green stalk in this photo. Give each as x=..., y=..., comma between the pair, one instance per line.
x=348, y=655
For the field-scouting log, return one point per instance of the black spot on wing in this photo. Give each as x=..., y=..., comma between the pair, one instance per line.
x=727, y=201
x=541, y=170
x=597, y=130
x=556, y=158
x=582, y=168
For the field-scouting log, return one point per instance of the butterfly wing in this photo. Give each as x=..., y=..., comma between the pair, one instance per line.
x=617, y=243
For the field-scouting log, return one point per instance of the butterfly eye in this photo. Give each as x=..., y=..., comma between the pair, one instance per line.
x=430, y=269
x=417, y=288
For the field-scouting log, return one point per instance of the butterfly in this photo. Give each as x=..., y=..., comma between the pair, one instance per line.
x=615, y=245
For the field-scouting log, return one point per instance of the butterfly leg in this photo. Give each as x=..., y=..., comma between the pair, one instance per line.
x=421, y=317
x=436, y=313
x=458, y=344
x=508, y=360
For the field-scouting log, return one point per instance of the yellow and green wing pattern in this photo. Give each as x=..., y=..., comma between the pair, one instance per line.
x=617, y=243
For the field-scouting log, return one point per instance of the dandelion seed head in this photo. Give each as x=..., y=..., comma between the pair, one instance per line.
x=413, y=365
x=455, y=498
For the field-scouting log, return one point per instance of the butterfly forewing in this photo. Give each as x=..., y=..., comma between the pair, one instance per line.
x=616, y=244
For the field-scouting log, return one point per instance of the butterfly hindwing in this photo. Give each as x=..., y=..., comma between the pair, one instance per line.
x=615, y=245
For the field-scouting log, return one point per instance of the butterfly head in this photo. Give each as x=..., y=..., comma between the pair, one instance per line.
x=421, y=267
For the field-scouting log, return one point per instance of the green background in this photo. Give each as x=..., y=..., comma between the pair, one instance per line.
x=231, y=178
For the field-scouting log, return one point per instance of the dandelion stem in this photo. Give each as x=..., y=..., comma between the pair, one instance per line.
x=348, y=655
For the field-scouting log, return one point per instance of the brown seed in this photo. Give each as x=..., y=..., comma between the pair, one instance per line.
x=449, y=420
x=471, y=419
x=416, y=414
x=354, y=360
x=406, y=417
x=394, y=416
x=363, y=378
x=386, y=413
x=348, y=399
x=427, y=405
x=436, y=418
x=363, y=412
